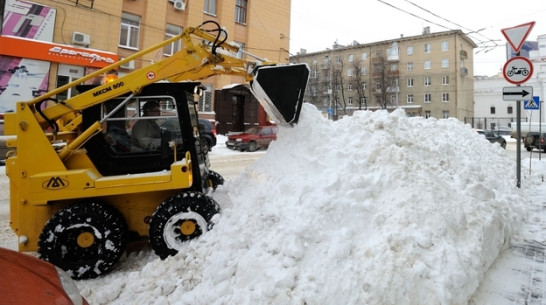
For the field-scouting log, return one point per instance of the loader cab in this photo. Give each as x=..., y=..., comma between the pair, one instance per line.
x=135, y=141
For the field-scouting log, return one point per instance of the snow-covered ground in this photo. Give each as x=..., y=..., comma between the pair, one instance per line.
x=376, y=208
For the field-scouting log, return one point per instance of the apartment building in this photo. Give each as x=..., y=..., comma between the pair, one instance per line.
x=429, y=75
x=48, y=43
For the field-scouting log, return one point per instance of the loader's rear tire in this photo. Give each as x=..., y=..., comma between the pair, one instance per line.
x=86, y=239
x=214, y=179
x=178, y=219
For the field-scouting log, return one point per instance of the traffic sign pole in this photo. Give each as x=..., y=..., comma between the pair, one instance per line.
x=516, y=71
x=518, y=143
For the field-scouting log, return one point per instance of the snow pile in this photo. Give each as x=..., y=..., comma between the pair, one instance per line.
x=376, y=208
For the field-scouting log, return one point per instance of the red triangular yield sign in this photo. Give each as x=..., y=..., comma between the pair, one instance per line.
x=516, y=35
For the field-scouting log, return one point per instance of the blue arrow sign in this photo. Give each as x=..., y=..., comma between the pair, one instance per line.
x=533, y=104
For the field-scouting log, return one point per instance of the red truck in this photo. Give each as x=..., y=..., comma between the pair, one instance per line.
x=254, y=138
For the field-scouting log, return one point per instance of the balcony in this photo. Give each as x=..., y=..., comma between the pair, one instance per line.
x=393, y=57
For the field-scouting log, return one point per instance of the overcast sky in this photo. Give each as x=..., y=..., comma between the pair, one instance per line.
x=316, y=25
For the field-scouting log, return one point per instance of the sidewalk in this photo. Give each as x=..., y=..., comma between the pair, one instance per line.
x=518, y=276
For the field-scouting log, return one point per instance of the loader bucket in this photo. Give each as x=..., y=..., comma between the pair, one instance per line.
x=280, y=90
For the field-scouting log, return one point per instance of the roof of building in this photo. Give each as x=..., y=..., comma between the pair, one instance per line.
x=356, y=45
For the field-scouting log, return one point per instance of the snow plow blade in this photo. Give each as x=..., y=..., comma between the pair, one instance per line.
x=280, y=90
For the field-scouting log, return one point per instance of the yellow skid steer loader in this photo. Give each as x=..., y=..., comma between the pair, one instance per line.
x=125, y=160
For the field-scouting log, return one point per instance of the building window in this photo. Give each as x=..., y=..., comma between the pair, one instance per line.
x=394, y=67
x=67, y=74
x=326, y=63
x=205, y=100
x=427, y=81
x=445, y=45
x=445, y=63
x=410, y=66
x=393, y=51
x=394, y=99
x=351, y=58
x=364, y=86
x=427, y=114
x=427, y=48
x=364, y=55
x=130, y=31
x=428, y=98
x=363, y=71
x=313, y=91
x=313, y=74
x=350, y=87
x=509, y=110
x=410, y=82
x=350, y=101
x=427, y=65
x=170, y=32
x=210, y=7
x=240, y=11
x=445, y=114
x=409, y=50
x=445, y=80
x=492, y=109
x=445, y=97
x=409, y=99
x=350, y=72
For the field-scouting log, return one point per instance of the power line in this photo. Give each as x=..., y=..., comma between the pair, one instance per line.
x=488, y=44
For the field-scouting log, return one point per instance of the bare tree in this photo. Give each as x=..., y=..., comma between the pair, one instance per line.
x=338, y=83
x=358, y=83
x=384, y=81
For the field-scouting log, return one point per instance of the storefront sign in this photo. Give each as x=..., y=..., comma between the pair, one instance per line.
x=35, y=49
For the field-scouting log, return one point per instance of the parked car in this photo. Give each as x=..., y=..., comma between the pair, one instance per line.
x=532, y=140
x=254, y=138
x=25, y=279
x=208, y=130
x=494, y=137
x=504, y=131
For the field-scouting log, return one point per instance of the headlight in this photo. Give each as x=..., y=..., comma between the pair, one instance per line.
x=70, y=287
x=239, y=140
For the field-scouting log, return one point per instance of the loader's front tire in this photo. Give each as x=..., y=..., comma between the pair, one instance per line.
x=86, y=239
x=180, y=218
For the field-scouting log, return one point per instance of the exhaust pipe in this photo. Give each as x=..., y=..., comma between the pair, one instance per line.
x=280, y=91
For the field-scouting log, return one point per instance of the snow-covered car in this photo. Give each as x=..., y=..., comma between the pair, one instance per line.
x=494, y=137
x=254, y=138
x=25, y=279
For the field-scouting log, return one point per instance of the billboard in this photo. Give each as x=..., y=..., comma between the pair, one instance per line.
x=23, y=79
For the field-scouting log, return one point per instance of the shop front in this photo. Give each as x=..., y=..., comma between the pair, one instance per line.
x=27, y=64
